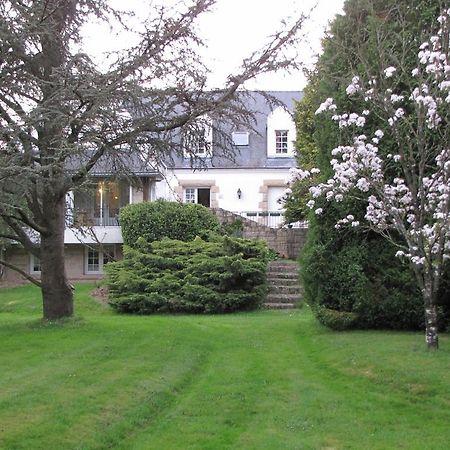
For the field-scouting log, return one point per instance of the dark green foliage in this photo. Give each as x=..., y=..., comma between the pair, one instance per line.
x=354, y=272
x=351, y=277
x=223, y=275
x=306, y=153
x=162, y=219
x=235, y=228
x=336, y=320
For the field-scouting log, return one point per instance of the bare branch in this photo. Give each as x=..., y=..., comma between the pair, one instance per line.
x=24, y=274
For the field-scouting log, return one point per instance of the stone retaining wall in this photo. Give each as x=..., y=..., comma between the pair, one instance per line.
x=288, y=242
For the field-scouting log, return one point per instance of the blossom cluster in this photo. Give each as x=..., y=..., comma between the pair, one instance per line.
x=415, y=202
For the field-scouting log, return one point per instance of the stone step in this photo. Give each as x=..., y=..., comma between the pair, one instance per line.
x=283, y=281
x=279, y=305
x=292, y=289
x=282, y=275
x=285, y=291
x=280, y=262
x=283, y=267
x=282, y=298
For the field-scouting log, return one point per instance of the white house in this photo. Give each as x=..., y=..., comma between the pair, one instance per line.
x=250, y=185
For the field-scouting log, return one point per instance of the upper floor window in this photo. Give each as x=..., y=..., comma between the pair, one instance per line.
x=281, y=141
x=99, y=202
x=280, y=133
x=197, y=139
x=240, y=138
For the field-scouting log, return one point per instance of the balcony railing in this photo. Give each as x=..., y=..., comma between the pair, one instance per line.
x=271, y=219
x=84, y=219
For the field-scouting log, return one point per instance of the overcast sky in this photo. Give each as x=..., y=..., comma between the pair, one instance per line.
x=234, y=29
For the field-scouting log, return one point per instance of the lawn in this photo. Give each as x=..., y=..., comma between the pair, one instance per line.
x=264, y=380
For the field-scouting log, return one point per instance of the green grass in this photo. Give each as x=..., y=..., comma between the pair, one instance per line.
x=264, y=380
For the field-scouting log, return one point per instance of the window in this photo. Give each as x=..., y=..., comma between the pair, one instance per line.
x=100, y=201
x=280, y=134
x=190, y=195
x=240, y=138
x=93, y=260
x=198, y=195
x=35, y=264
x=281, y=141
x=197, y=139
x=98, y=257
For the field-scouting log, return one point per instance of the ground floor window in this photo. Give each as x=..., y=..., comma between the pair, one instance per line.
x=35, y=264
x=198, y=195
x=96, y=257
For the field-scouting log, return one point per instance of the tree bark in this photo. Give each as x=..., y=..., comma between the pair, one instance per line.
x=431, y=326
x=57, y=295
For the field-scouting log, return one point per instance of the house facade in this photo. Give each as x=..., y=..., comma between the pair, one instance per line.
x=250, y=185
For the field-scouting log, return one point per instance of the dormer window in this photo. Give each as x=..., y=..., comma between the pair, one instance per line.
x=281, y=141
x=197, y=139
x=240, y=138
x=280, y=134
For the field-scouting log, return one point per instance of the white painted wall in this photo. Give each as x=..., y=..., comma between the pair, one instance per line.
x=93, y=235
x=229, y=181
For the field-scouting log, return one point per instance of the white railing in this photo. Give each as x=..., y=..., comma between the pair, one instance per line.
x=272, y=219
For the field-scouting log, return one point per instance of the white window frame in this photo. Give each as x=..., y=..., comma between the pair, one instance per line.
x=101, y=259
x=281, y=142
x=190, y=195
x=279, y=120
x=240, y=138
x=35, y=262
x=201, y=151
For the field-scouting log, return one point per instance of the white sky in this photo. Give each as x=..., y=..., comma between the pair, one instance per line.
x=233, y=30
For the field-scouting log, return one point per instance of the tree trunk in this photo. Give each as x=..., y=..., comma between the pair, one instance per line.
x=431, y=328
x=57, y=293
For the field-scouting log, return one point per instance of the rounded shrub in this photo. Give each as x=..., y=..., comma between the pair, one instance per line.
x=221, y=275
x=163, y=219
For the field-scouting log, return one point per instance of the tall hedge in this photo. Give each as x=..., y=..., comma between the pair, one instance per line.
x=351, y=277
x=163, y=219
x=222, y=275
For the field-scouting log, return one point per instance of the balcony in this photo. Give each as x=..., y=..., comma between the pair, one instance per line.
x=98, y=205
x=106, y=218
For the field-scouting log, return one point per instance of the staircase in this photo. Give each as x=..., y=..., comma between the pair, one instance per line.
x=284, y=288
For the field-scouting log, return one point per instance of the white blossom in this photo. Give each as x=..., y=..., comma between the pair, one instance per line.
x=327, y=105
x=389, y=72
x=353, y=87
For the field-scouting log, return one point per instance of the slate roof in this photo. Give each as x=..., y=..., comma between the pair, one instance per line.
x=130, y=163
x=253, y=156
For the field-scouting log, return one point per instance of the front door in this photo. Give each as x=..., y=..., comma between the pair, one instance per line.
x=274, y=194
x=204, y=196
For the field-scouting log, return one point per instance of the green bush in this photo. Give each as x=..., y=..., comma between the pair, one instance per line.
x=223, y=275
x=162, y=219
x=336, y=320
x=357, y=273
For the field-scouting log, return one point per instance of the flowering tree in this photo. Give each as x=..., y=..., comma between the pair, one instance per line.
x=407, y=191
